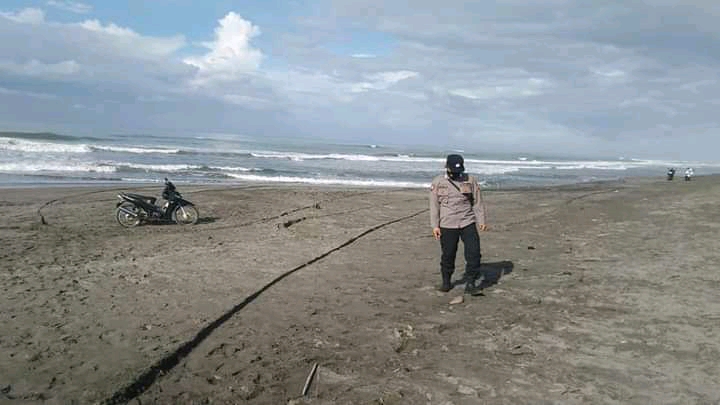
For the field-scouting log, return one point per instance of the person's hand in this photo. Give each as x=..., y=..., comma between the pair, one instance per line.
x=436, y=233
x=483, y=227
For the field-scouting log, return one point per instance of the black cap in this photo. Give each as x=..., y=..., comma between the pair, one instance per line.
x=455, y=164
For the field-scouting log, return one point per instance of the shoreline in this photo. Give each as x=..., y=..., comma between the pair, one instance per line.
x=233, y=185
x=332, y=187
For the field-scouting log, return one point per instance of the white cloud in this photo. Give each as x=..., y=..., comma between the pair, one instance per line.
x=112, y=29
x=503, y=88
x=392, y=77
x=71, y=6
x=609, y=73
x=610, y=76
x=127, y=40
x=231, y=53
x=26, y=16
x=153, y=99
x=309, y=89
x=35, y=38
x=256, y=103
x=13, y=92
x=695, y=87
x=37, y=68
x=635, y=101
x=382, y=80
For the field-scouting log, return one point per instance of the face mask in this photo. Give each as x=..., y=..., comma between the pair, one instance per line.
x=456, y=176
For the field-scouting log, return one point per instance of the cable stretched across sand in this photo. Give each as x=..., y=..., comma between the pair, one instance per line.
x=167, y=363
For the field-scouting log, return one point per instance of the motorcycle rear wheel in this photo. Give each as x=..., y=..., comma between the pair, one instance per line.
x=185, y=215
x=126, y=220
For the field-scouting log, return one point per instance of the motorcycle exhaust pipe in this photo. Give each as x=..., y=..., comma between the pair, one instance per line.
x=127, y=211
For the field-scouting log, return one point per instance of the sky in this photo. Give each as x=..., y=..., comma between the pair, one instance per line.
x=633, y=78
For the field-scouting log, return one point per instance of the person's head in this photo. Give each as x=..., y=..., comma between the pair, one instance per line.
x=455, y=165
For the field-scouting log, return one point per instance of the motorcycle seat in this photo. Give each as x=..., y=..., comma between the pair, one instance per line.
x=150, y=199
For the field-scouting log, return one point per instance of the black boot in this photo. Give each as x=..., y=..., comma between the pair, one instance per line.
x=471, y=288
x=446, y=284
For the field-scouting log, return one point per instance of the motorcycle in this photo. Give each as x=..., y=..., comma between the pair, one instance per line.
x=670, y=174
x=134, y=209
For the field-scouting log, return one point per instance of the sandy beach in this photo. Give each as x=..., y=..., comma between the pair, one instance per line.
x=597, y=294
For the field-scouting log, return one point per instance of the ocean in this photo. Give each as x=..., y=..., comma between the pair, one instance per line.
x=47, y=159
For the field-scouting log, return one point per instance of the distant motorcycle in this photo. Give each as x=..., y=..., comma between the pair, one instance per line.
x=670, y=174
x=134, y=209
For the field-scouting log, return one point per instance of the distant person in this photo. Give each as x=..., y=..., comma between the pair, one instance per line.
x=457, y=211
x=671, y=173
x=689, y=173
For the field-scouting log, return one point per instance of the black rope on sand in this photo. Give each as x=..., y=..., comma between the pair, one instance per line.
x=162, y=367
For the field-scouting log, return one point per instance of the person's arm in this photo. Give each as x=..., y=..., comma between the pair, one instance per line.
x=479, y=209
x=434, y=206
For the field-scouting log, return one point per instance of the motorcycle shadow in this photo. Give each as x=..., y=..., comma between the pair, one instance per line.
x=206, y=220
x=161, y=222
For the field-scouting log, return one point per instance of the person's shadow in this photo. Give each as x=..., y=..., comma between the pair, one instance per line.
x=490, y=273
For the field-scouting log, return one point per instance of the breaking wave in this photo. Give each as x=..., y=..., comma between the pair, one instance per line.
x=22, y=145
x=36, y=146
x=134, y=149
x=99, y=167
x=329, y=181
x=55, y=167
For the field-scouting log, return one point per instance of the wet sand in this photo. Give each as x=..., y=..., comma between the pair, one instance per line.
x=597, y=294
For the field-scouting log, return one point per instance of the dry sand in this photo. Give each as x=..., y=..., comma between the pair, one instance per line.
x=608, y=295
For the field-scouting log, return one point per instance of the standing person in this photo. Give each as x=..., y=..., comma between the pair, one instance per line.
x=457, y=211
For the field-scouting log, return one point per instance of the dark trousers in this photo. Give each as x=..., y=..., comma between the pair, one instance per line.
x=449, y=238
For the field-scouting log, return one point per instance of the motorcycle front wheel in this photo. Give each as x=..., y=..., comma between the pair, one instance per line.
x=185, y=215
x=126, y=219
